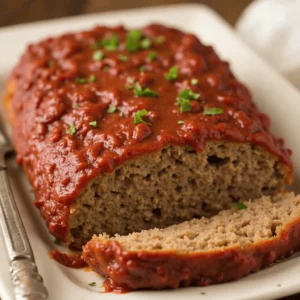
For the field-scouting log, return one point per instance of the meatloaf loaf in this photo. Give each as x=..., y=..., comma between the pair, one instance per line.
x=120, y=131
x=202, y=251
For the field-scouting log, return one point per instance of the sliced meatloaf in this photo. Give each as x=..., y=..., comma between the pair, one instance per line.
x=203, y=251
x=120, y=131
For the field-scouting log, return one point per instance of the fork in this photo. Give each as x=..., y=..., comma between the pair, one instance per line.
x=26, y=281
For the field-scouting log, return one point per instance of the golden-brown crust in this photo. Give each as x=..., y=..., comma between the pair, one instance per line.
x=168, y=269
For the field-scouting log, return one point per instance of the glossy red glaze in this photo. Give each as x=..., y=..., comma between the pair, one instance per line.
x=47, y=100
x=159, y=269
x=69, y=260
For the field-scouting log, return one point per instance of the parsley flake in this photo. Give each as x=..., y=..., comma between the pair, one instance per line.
x=106, y=68
x=172, y=74
x=212, y=111
x=159, y=39
x=111, y=109
x=145, y=43
x=184, y=98
x=92, y=78
x=142, y=69
x=180, y=122
x=194, y=81
x=239, y=205
x=152, y=56
x=92, y=284
x=56, y=241
x=51, y=63
x=129, y=83
x=132, y=42
x=122, y=57
x=81, y=80
x=98, y=55
x=72, y=129
x=93, y=123
x=111, y=43
x=139, y=92
x=138, y=117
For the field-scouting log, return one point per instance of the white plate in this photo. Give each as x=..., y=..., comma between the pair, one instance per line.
x=273, y=94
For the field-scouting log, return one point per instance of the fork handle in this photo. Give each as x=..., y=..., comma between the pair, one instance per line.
x=26, y=281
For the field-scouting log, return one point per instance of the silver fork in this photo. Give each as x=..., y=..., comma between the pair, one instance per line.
x=26, y=281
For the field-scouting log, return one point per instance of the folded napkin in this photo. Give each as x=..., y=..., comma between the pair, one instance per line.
x=272, y=28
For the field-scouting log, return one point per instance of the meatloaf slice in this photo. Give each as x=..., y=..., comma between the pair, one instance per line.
x=202, y=251
x=120, y=131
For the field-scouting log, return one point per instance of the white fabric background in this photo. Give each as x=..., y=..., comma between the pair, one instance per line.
x=272, y=27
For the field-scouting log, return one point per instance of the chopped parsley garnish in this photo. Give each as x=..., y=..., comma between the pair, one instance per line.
x=111, y=109
x=142, y=69
x=72, y=129
x=239, y=205
x=51, y=63
x=184, y=98
x=129, y=83
x=212, y=111
x=180, y=122
x=92, y=78
x=93, y=123
x=56, y=241
x=106, y=68
x=132, y=42
x=159, y=39
x=96, y=45
x=82, y=80
x=139, y=92
x=194, y=81
x=111, y=43
x=138, y=117
x=98, y=55
x=92, y=284
x=145, y=43
x=122, y=57
x=152, y=56
x=172, y=74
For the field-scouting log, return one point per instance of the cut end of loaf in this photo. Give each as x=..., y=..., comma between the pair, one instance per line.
x=200, y=252
x=172, y=186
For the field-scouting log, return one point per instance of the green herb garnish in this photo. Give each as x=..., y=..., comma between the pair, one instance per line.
x=132, y=42
x=92, y=78
x=212, y=111
x=194, y=81
x=203, y=293
x=172, y=74
x=56, y=241
x=145, y=43
x=159, y=39
x=122, y=57
x=139, y=92
x=152, y=56
x=72, y=129
x=239, y=205
x=51, y=63
x=98, y=55
x=92, y=284
x=129, y=83
x=180, y=122
x=184, y=98
x=111, y=109
x=93, y=123
x=111, y=43
x=106, y=68
x=138, y=117
x=81, y=80
x=142, y=69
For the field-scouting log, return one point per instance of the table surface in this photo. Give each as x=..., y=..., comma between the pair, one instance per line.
x=23, y=11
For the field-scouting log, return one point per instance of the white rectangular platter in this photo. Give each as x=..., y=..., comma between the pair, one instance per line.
x=273, y=94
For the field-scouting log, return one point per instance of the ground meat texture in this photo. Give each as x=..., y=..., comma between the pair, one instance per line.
x=121, y=131
x=202, y=251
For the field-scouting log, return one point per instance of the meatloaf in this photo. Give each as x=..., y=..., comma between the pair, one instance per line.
x=202, y=251
x=120, y=131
